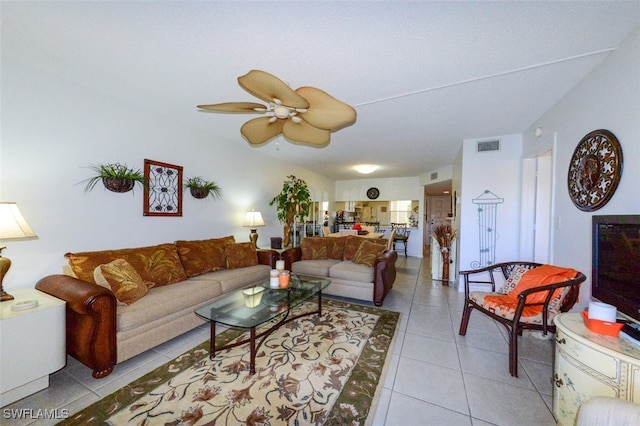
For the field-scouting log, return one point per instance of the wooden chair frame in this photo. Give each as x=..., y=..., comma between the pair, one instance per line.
x=515, y=327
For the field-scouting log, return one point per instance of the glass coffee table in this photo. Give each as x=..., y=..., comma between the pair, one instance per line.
x=250, y=308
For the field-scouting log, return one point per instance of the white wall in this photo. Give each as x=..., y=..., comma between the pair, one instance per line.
x=52, y=129
x=608, y=98
x=498, y=172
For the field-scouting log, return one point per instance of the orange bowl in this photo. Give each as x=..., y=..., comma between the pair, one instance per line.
x=601, y=327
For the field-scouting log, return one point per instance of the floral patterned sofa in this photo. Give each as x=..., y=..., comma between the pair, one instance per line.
x=359, y=268
x=123, y=302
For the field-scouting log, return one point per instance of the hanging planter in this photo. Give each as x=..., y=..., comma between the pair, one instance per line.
x=201, y=188
x=118, y=184
x=115, y=177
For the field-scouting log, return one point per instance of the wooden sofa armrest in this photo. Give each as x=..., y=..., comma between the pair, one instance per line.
x=268, y=257
x=291, y=255
x=384, y=275
x=90, y=321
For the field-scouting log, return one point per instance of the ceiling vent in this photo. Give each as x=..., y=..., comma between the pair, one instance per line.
x=434, y=175
x=486, y=146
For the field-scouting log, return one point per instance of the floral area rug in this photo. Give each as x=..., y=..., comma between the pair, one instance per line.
x=315, y=370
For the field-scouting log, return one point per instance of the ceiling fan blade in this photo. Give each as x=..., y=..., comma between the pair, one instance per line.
x=235, y=107
x=305, y=134
x=261, y=130
x=268, y=87
x=325, y=111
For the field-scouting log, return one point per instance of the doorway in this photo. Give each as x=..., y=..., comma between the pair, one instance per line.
x=537, y=207
x=438, y=209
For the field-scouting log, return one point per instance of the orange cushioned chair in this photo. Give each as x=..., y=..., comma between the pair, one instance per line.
x=532, y=294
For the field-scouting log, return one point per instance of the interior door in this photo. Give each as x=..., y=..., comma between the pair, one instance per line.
x=438, y=208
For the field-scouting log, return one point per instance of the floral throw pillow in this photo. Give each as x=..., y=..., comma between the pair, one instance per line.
x=159, y=264
x=241, y=255
x=125, y=283
x=367, y=253
x=200, y=256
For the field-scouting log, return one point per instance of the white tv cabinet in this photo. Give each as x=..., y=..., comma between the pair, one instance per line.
x=588, y=364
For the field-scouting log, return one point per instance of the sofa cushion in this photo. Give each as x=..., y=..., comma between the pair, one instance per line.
x=314, y=248
x=367, y=253
x=200, y=256
x=164, y=301
x=231, y=279
x=125, y=283
x=159, y=264
x=350, y=271
x=241, y=255
x=335, y=247
x=317, y=268
x=351, y=246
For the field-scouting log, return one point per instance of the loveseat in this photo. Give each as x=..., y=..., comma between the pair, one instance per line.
x=359, y=268
x=123, y=302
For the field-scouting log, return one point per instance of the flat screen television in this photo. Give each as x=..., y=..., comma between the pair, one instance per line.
x=615, y=275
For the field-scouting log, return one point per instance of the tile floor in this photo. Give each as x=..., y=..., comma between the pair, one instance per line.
x=435, y=377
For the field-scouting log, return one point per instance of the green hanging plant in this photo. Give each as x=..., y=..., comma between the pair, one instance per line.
x=115, y=177
x=201, y=188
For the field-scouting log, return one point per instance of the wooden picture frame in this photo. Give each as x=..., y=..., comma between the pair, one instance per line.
x=162, y=189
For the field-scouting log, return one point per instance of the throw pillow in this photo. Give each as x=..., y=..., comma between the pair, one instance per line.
x=125, y=283
x=543, y=275
x=514, y=278
x=240, y=255
x=314, y=248
x=367, y=253
x=159, y=264
x=200, y=256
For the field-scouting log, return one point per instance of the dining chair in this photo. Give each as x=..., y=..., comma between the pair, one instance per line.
x=390, y=240
x=326, y=231
x=401, y=235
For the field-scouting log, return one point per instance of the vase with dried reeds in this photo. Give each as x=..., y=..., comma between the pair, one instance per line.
x=444, y=234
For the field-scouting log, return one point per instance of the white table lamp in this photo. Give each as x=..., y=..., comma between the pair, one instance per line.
x=12, y=227
x=252, y=220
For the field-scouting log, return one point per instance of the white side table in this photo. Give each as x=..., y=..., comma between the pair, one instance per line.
x=32, y=344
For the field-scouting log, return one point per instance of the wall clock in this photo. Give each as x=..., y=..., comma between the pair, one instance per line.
x=373, y=193
x=595, y=170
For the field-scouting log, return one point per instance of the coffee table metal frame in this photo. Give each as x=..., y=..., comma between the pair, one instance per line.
x=232, y=311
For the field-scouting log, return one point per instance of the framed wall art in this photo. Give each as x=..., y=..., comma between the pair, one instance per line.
x=163, y=189
x=595, y=170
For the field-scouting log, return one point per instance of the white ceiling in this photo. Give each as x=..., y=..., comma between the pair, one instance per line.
x=422, y=76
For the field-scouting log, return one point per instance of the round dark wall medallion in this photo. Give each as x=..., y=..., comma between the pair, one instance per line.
x=373, y=193
x=595, y=170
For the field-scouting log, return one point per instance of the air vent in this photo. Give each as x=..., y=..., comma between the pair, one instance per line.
x=434, y=175
x=486, y=146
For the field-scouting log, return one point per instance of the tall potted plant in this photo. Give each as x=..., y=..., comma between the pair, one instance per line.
x=292, y=203
x=444, y=235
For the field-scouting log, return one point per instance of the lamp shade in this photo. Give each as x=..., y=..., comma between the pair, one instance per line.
x=253, y=219
x=12, y=224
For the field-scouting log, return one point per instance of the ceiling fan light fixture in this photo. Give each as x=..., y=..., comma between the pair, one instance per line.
x=366, y=169
x=314, y=113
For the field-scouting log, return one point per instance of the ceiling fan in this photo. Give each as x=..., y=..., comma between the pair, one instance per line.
x=305, y=116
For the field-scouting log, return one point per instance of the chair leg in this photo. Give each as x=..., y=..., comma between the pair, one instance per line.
x=405, y=249
x=466, y=315
x=513, y=352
